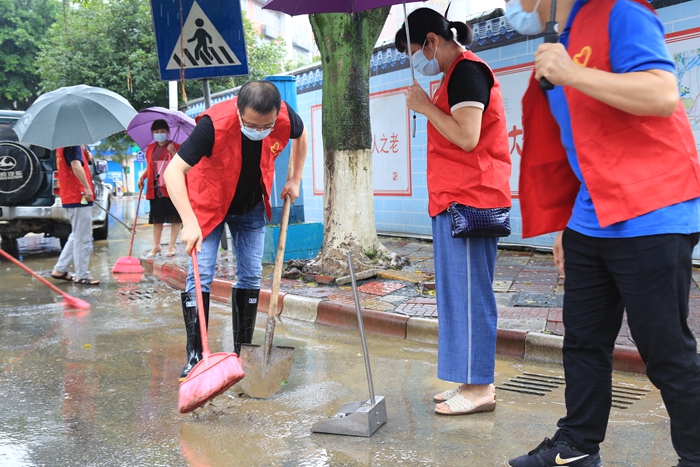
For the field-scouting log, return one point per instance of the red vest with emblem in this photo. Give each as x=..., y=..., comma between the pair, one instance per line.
x=151, y=168
x=478, y=178
x=212, y=182
x=69, y=186
x=631, y=165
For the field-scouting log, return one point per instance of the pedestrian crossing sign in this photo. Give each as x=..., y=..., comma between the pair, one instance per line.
x=203, y=38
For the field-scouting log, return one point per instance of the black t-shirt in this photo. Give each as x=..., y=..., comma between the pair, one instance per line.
x=249, y=190
x=470, y=82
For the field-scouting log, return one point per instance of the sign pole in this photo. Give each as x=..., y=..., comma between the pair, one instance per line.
x=207, y=94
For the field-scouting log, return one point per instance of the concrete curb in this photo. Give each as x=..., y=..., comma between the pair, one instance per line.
x=516, y=343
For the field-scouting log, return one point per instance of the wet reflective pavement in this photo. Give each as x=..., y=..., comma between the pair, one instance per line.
x=100, y=388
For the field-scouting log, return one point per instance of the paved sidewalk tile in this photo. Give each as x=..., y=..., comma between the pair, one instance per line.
x=420, y=307
x=380, y=288
x=377, y=305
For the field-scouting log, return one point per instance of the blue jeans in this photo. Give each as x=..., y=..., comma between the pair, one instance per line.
x=248, y=237
x=467, y=311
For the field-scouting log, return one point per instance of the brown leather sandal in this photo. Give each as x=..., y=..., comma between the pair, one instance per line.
x=87, y=281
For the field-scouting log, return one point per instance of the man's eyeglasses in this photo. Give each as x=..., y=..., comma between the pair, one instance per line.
x=258, y=128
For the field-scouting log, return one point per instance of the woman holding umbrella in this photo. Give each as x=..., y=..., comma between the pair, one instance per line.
x=468, y=164
x=158, y=155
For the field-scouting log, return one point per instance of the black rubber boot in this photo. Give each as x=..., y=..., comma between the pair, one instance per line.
x=194, y=340
x=244, y=309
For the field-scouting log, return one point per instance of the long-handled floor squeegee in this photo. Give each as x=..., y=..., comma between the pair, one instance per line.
x=361, y=418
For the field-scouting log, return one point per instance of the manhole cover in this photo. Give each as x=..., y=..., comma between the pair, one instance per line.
x=536, y=384
x=532, y=383
x=623, y=396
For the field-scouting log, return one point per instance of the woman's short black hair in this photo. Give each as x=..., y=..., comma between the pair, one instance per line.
x=425, y=20
x=261, y=96
x=159, y=125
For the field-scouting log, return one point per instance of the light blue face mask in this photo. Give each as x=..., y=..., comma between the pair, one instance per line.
x=424, y=66
x=160, y=137
x=527, y=24
x=255, y=135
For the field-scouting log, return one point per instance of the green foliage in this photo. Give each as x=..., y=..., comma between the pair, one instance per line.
x=106, y=44
x=112, y=45
x=23, y=26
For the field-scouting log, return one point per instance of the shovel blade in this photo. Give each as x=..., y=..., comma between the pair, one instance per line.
x=264, y=379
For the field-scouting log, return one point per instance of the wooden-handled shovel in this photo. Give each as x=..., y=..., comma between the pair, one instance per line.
x=267, y=367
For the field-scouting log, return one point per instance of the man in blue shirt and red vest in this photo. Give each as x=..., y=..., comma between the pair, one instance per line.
x=609, y=161
x=223, y=174
x=75, y=185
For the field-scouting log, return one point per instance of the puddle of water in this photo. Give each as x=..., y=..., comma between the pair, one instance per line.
x=100, y=388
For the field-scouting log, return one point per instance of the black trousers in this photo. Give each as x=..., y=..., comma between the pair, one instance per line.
x=650, y=278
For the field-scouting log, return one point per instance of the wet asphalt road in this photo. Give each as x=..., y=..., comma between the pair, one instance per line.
x=99, y=388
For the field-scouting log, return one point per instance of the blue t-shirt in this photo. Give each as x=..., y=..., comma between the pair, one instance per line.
x=636, y=44
x=70, y=154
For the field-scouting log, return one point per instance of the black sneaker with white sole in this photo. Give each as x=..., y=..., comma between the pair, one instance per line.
x=554, y=454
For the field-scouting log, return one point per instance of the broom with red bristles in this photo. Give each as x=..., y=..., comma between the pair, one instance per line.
x=129, y=264
x=67, y=299
x=216, y=372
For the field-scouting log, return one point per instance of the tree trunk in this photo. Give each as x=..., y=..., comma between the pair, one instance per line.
x=346, y=42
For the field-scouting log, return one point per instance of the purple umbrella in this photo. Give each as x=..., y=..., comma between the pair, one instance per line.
x=310, y=7
x=140, y=126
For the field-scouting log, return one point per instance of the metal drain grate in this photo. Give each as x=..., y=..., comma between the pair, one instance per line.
x=532, y=383
x=623, y=396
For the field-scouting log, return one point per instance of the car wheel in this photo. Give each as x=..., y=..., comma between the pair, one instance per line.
x=20, y=173
x=101, y=233
x=9, y=244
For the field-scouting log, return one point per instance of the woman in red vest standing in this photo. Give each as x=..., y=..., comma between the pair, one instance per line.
x=469, y=164
x=158, y=156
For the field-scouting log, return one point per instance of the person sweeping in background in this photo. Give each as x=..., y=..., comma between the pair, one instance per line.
x=75, y=184
x=158, y=156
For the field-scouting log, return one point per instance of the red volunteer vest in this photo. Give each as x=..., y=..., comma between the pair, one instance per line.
x=151, y=169
x=631, y=165
x=211, y=183
x=69, y=186
x=478, y=178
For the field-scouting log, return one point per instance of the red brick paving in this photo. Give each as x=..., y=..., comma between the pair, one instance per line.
x=381, y=288
x=530, y=272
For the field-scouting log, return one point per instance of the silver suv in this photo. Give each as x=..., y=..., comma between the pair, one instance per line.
x=29, y=196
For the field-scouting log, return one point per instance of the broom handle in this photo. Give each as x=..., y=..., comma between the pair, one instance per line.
x=113, y=216
x=37, y=276
x=136, y=218
x=200, y=306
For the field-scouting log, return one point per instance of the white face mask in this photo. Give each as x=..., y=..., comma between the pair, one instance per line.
x=424, y=66
x=527, y=24
x=160, y=137
x=255, y=135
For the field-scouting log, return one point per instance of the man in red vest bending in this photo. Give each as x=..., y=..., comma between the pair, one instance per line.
x=610, y=163
x=223, y=174
x=75, y=185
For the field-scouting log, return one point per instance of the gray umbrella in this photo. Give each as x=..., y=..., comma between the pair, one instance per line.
x=74, y=115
